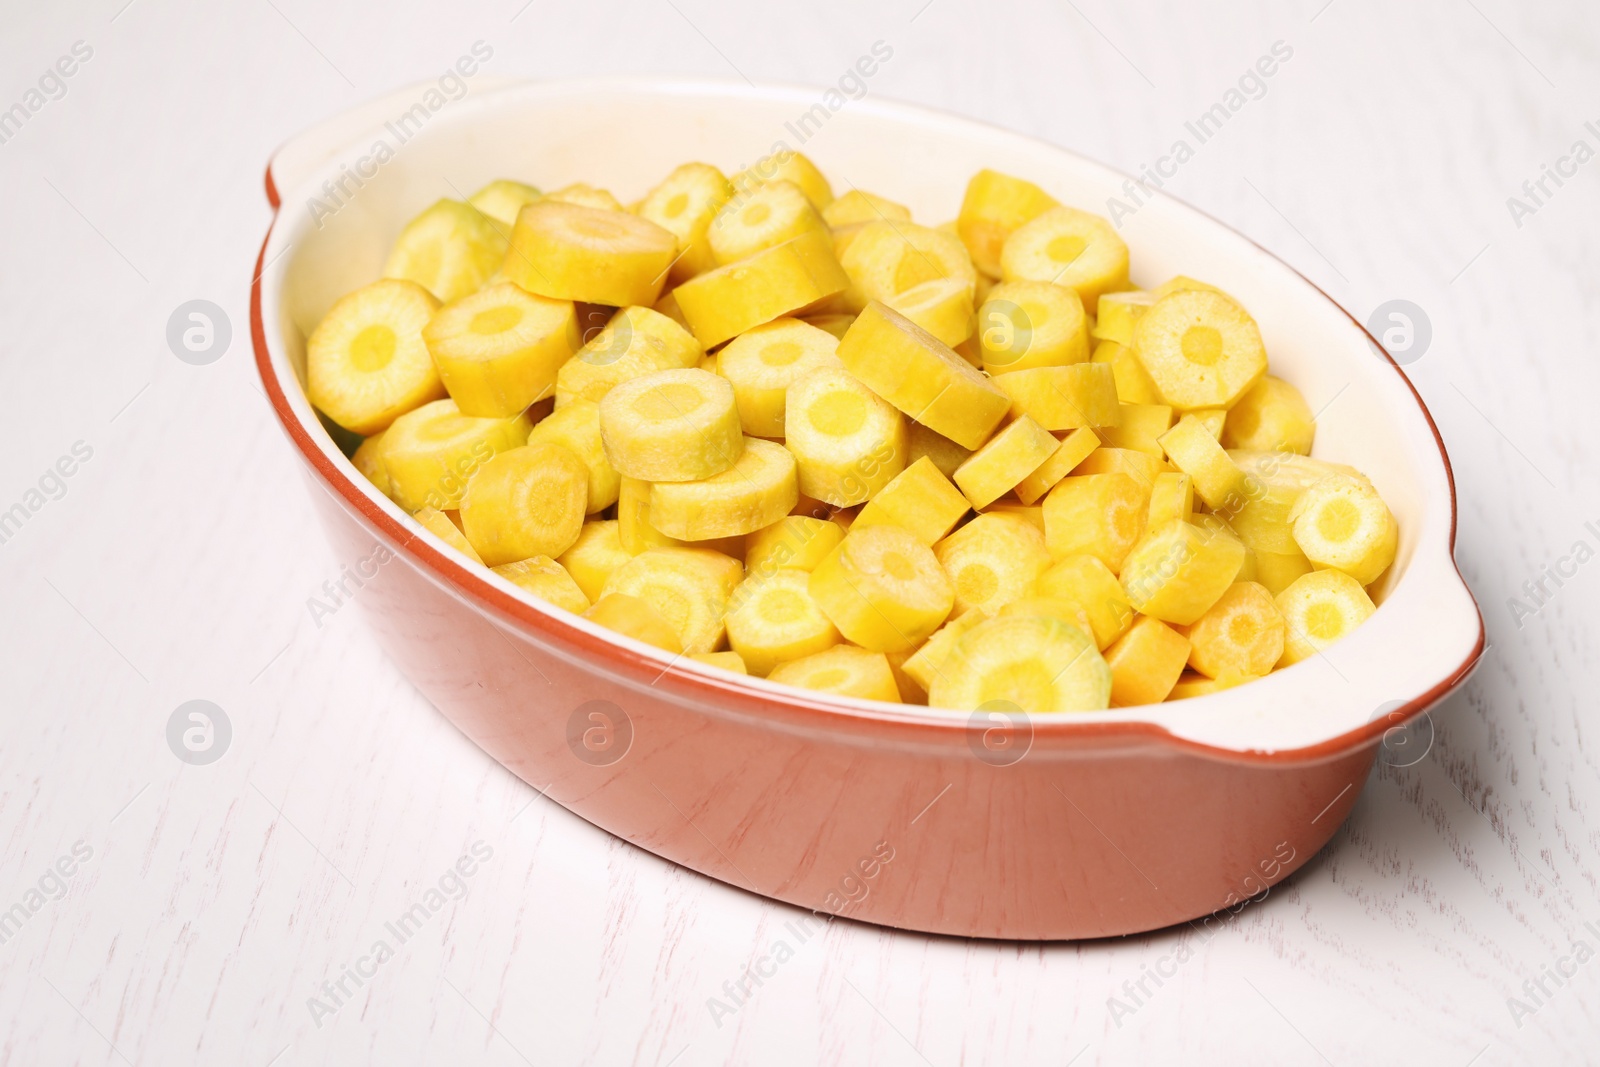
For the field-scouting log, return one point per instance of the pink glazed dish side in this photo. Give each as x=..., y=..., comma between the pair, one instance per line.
x=1072, y=826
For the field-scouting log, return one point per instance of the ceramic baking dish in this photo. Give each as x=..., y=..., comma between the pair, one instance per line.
x=1065, y=826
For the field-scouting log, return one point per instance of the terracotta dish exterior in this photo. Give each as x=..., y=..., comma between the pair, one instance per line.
x=1066, y=826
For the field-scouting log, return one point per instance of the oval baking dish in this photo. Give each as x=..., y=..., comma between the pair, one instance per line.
x=1084, y=825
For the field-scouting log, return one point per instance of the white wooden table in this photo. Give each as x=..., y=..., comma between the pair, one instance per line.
x=177, y=561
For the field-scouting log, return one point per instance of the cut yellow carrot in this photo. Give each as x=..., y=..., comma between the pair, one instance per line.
x=1063, y=398
x=1134, y=384
x=920, y=375
x=1183, y=283
x=1024, y=325
x=764, y=362
x=909, y=691
x=635, y=618
x=1146, y=662
x=1217, y=479
x=1318, y=609
x=1274, y=482
x=1071, y=248
x=1005, y=460
x=883, y=589
x=368, y=459
x=1271, y=416
x=1194, y=684
x=1342, y=523
x=526, y=502
x=785, y=279
x=1247, y=569
x=942, y=306
x=450, y=249
x=945, y=453
x=1087, y=584
x=1117, y=314
x=498, y=350
x=850, y=299
x=857, y=206
x=732, y=545
x=1200, y=348
x=994, y=206
x=635, y=531
x=585, y=195
x=923, y=665
x=570, y=252
x=684, y=204
x=1139, y=427
x=547, y=580
x=1212, y=419
x=970, y=350
x=1142, y=467
x=787, y=166
x=771, y=214
x=432, y=452
x=919, y=499
x=672, y=426
x=991, y=561
x=1072, y=451
x=773, y=619
x=1179, y=569
x=366, y=362
x=1242, y=633
x=799, y=542
x=1261, y=519
x=1171, y=497
x=502, y=199
x=438, y=523
x=1032, y=514
x=594, y=555
x=848, y=441
x=834, y=323
x=1052, y=608
x=1288, y=468
x=1098, y=514
x=728, y=661
x=636, y=341
x=757, y=491
x=884, y=259
x=688, y=587
x=1033, y=664
x=668, y=306
x=1042, y=607
x=843, y=670
x=1278, y=570
x=577, y=427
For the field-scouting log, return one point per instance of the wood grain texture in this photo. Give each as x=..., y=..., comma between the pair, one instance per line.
x=178, y=563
